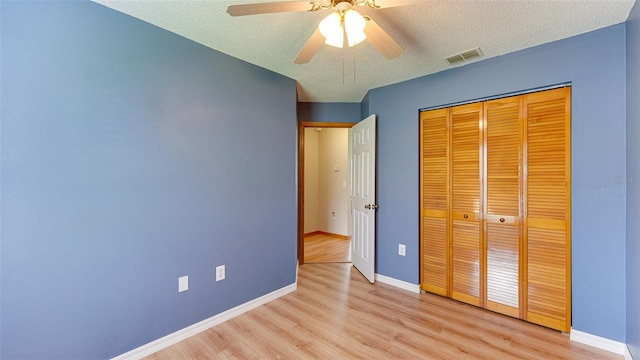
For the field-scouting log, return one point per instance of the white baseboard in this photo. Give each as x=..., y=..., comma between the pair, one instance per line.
x=164, y=342
x=627, y=354
x=613, y=346
x=414, y=288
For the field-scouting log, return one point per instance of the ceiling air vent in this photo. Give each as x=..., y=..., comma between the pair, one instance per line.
x=464, y=56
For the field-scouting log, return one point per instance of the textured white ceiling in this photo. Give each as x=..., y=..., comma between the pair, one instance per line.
x=429, y=31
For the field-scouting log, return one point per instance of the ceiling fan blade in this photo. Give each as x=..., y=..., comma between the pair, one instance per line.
x=269, y=8
x=382, y=4
x=310, y=48
x=381, y=41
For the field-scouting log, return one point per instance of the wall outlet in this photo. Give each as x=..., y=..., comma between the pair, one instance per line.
x=220, y=272
x=402, y=250
x=183, y=283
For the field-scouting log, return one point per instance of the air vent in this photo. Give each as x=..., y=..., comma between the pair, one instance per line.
x=464, y=56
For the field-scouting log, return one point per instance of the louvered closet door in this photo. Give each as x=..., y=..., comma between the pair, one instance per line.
x=547, y=198
x=466, y=138
x=434, y=194
x=502, y=204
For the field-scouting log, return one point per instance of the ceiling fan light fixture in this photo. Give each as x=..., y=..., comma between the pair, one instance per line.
x=354, y=25
x=331, y=28
x=334, y=27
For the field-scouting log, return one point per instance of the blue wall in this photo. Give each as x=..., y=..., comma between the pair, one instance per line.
x=329, y=112
x=131, y=157
x=364, y=105
x=595, y=65
x=633, y=181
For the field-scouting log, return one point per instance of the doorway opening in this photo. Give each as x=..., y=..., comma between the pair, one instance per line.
x=323, y=192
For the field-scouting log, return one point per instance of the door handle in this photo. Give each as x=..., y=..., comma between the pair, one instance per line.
x=371, y=206
x=502, y=220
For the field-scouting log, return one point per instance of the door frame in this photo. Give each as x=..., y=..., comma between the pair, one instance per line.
x=301, y=129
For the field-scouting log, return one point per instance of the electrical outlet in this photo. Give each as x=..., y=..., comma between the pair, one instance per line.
x=401, y=250
x=183, y=283
x=220, y=272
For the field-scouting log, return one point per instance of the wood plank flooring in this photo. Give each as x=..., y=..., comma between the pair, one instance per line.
x=322, y=248
x=337, y=314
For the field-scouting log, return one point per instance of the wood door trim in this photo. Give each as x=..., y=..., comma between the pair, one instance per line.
x=301, y=127
x=569, y=241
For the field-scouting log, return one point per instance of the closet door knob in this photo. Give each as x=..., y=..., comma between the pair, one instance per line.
x=465, y=216
x=501, y=219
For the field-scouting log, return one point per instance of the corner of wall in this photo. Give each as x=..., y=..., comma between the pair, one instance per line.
x=633, y=181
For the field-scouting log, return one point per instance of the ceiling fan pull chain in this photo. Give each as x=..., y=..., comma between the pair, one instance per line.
x=342, y=67
x=354, y=65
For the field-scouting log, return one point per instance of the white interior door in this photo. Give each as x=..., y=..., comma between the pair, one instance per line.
x=362, y=151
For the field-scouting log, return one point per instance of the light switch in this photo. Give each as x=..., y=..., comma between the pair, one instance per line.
x=183, y=283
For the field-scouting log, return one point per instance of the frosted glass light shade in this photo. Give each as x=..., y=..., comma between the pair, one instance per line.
x=334, y=27
x=331, y=28
x=354, y=25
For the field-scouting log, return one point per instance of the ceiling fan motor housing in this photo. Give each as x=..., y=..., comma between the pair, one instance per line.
x=343, y=5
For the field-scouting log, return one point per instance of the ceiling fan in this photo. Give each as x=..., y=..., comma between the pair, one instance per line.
x=343, y=26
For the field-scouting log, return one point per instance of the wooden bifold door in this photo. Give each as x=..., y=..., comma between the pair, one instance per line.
x=495, y=205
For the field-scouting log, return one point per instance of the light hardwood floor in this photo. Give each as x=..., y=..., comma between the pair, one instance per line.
x=326, y=248
x=337, y=314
